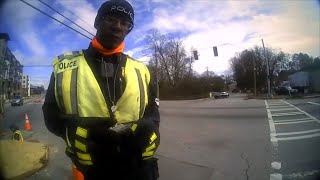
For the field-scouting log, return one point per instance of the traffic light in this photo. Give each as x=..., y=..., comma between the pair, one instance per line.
x=215, y=50
x=195, y=55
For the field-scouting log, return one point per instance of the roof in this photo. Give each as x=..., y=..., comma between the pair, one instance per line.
x=4, y=36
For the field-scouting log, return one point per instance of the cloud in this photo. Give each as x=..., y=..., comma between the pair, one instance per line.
x=85, y=14
x=135, y=51
x=40, y=80
x=36, y=67
x=296, y=29
x=144, y=59
x=34, y=44
x=290, y=26
x=19, y=14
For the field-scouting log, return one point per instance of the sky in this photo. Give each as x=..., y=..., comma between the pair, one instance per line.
x=292, y=26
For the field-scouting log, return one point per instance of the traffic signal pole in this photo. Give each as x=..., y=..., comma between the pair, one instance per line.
x=268, y=69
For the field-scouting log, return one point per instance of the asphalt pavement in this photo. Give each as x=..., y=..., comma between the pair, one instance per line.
x=295, y=138
x=214, y=139
x=211, y=139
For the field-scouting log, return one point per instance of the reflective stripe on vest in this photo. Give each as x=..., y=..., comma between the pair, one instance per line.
x=78, y=92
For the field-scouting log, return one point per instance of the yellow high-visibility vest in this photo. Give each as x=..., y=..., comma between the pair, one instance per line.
x=77, y=91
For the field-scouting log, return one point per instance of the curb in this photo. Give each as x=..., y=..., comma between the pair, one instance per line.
x=293, y=97
x=305, y=97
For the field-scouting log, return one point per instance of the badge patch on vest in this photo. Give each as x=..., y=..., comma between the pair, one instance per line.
x=67, y=65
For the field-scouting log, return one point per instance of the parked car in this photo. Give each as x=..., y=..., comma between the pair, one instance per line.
x=17, y=100
x=225, y=94
x=286, y=90
x=220, y=95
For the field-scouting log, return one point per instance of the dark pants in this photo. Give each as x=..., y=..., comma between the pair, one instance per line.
x=148, y=170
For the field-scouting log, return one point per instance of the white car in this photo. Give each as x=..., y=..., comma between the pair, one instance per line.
x=220, y=95
x=224, y=94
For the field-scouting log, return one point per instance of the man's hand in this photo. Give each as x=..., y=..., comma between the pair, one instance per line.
x=88, y=146
x=143, y=139
x=139, y=139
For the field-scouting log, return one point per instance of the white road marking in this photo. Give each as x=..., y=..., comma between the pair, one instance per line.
x=279, y=104
x=293, y=122
x=301, y=175
x=282, y=109
x=275, y=176
x=277, y=110
x=276, y=165
x=273, y=139
x=277, y=107
x=274, y=142
x=298, y=132
x=276, y=104
x=302, y=111
x=287, y=114
x=299, y=137
x=314, y=103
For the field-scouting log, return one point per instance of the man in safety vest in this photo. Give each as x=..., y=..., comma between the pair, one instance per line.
x=103, y=103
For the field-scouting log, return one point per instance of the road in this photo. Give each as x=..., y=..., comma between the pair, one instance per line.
x=213, y=139
x=295, y=137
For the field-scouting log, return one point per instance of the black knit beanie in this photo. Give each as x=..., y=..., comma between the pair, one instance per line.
x=120, y=8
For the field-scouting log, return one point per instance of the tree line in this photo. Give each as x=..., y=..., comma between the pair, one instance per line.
x=172, y=64
x=281, y=65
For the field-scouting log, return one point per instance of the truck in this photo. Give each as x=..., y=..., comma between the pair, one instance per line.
x=300, y=81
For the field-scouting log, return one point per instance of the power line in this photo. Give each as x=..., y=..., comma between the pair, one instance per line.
x=37, y=65
x=76, y=16
x=65, y=17
x=54, y=19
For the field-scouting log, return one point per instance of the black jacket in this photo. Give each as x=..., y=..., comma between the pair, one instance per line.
x=54, y=117
x=56, y=122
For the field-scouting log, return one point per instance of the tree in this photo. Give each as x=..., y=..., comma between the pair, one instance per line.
x=242, y=67
x=228, y=78
x=173, y=62
x=316, y=62
x=280, y=64
x=300, y=61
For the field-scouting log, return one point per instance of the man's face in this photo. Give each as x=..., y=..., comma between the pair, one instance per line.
x=112, y=30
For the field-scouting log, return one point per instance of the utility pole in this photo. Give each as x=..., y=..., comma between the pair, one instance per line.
x=268, y=69
x=254, y=74
x=157, y=79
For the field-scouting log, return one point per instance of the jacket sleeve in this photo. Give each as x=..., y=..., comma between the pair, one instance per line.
x=51, y=112
x=152, y=109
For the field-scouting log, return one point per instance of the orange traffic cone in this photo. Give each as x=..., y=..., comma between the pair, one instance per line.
x=77, y=175
x=27, y=125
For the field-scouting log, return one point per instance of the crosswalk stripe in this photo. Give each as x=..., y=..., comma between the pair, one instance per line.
x=287, y=114
x=277, y=107
x=298, y=132
x=293, y=122
x=282, y=109
x=314, y=103
x=302, y=111
x=299, y=137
